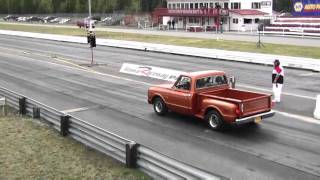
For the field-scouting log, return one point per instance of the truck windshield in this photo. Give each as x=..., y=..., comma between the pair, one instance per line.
x=211, y=81
x=183, y=83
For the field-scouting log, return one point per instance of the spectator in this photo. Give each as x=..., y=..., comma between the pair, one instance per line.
x=277, y=80
x=169, y=24
x=173, y=23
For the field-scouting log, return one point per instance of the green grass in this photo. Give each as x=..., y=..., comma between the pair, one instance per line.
x=289, y=50
x=30, y=150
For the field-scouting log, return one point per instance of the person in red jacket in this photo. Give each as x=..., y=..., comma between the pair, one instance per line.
x=277, y=80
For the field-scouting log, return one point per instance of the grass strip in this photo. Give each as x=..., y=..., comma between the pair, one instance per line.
x=276, y=49
x=31, y=150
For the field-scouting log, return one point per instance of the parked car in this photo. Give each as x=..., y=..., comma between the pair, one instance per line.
x=49, y=18
x=10, y=18
x=64, y=20
x=96, y=18
x=55, y=20
x=34, y=19
x=86, y=23
x=22, y=19
x=207, y=95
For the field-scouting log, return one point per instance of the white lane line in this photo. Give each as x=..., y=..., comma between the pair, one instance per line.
x=299, y=117
x=76, y=67
x=78, y=109
x=308, y=74
x=269, y=90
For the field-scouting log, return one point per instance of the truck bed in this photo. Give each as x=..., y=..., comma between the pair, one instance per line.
x=249, y=102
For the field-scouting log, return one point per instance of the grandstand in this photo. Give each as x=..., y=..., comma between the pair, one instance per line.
x=295, y=24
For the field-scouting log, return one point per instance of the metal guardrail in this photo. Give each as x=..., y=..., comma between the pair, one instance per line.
x=155, y=164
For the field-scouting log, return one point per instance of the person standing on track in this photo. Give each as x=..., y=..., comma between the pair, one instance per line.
x=277, y=80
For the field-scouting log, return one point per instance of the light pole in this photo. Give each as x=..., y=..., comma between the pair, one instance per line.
x=91, y=36
x=89, y=2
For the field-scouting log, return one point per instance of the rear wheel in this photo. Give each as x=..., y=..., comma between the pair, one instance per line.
x=215, y=120
x=159, y=106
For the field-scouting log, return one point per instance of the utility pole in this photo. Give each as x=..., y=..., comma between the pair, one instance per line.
x=89, y=2
x=91, y=35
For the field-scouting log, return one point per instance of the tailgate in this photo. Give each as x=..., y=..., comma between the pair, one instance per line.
x=255, y=105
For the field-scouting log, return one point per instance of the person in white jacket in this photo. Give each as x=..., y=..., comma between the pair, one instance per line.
x=277, y=80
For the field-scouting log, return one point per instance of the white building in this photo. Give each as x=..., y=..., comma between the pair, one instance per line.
x=233, y=15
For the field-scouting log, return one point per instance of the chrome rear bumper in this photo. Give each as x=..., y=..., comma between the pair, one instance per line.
x=252, y=118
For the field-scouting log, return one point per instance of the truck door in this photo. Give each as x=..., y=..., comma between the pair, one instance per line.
x=180, y=98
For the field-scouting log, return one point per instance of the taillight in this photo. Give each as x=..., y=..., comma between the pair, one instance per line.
x=238, y=112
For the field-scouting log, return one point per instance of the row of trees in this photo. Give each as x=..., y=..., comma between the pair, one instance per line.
x=98, y=6
x=76, y=6
x=282, y=5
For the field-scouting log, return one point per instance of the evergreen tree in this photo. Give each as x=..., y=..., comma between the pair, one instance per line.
x=77, y=6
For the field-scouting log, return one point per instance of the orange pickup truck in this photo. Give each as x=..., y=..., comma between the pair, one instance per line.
x=207, y=95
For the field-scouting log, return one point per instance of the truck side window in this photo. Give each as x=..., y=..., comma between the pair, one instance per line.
x=183, y=83
x=211, y=81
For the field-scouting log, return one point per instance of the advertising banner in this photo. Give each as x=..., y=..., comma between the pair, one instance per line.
x=306, y=8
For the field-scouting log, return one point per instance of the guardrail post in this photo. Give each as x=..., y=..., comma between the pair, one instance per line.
x=3, y=103
x=64, y=125
x=22, y=106
x=131, y=155
x=35, y=112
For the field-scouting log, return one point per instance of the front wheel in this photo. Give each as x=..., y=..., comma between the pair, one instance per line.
x=215, y=120
x=159, y=106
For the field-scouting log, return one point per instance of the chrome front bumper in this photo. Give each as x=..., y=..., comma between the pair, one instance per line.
x=252, y=118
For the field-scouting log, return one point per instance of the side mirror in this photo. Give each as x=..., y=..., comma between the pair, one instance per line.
x=232, y=82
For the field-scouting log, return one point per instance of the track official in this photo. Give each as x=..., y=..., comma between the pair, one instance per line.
x=277, y=80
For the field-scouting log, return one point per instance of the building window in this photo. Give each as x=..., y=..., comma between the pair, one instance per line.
x=191, y=6
x=196, y=5
x=256, y=20
x=235, y=21
x=194, y=20
x=182, y=5
x=206, y=5
x=256, y=5
x=178, y=6
x=201, y=5
x=173, y=6
x=226, y=5
x=266, y=3
x=236, y=5
x=211, y=5
x=197, y=20
x=169, y=6
x=247, y=21
x=186, y=5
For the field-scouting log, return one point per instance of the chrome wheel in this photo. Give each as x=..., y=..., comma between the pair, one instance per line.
x=214, y=121
x=158, y=106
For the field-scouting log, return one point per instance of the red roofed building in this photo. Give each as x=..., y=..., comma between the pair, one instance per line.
x=203, y=15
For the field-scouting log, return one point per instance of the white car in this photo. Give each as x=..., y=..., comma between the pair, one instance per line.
x=63, y=21
x=22, y=19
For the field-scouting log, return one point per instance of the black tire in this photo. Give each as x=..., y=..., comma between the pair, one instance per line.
x=215, y=120
x=159, y=106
